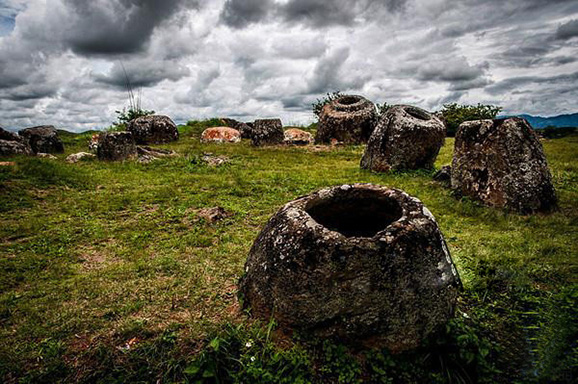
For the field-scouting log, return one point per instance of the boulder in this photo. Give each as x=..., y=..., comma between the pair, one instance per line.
x=405, y=137
x=153, y=129
x=46, y=156
x=43, y=139
x=80, y=156
x=9, y=136
x=363, y=264
x=502, y=164
x=243, y=128
x=13, y=147
x=294, y=136
x=348, y=118
x=267, y=132
x=116, y=146
x=221, y=135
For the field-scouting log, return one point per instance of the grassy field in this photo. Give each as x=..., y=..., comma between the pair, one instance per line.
x=108, y=274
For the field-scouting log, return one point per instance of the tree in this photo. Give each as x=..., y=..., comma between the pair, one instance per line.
x=454, y=114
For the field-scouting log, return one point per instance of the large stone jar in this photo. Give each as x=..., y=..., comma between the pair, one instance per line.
x=363, y=264
x=405, y=138
x=502, y=164
x=349, y=119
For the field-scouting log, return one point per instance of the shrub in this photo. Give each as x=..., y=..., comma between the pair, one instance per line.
x=319, y=103
x=454, y=114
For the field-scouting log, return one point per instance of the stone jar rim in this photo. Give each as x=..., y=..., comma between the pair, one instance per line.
x=395, y=212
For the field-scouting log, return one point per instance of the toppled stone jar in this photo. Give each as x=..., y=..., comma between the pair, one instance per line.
x=116, y=146
x=42, y=139
x=406, y=137
x=502, y=164
x=153, y=129
x=349, y=119
x=363, y=264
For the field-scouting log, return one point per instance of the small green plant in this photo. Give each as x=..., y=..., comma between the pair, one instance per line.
x=382, y=108
x=320, y=103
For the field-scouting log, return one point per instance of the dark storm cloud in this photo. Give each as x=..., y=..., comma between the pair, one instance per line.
x=117, y=26
x=313, y=13
x=322, y=13
x=567, y=30
x=319, y=13
x=241, y=13
x=142, y=73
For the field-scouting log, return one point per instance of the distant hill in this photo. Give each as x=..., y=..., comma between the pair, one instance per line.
x=540, y=122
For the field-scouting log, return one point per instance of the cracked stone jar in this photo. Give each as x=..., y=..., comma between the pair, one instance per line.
x=363, y=264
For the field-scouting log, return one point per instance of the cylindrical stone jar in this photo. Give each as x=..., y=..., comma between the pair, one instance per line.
x=363, y=264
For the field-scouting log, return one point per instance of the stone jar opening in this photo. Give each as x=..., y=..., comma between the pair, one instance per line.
x=357, y=213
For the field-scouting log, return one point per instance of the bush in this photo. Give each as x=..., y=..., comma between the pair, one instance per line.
x=454, y=114
x=127, y=114
x=320, y=103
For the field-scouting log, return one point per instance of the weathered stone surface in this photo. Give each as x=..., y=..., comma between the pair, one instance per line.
x=502, y=164
x=43, y=139
x=221, y=135
x=213, y=160
x=243, y=128
x=349, y=119
x=46, y=156
x=212, y=215
x=116, y=146
x=8, y=136
x=147, y=154
x=153, y=129
x=80, y=156
x=361, y=263
x=13, y=147
x=294, y=136
x=267, y=132
x=405, y=137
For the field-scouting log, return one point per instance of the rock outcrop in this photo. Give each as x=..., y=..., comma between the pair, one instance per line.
x=80, y=156
x=267, y=132
x=502, y=164
x=9, y=136
x=294, y=136
x=115, y=146
x=42, y=139
x=349, y=119
x=221, y=135
x=13, y=144
x=405, y=138
x=153, y=129
x=361, y=263
x=13, y=147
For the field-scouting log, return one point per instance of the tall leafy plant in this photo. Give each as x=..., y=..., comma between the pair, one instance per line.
x=134, y=108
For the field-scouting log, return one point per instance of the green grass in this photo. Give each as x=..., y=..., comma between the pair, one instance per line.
x=108, y=275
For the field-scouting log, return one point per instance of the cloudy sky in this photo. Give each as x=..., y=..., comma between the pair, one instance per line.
x=61, y=61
